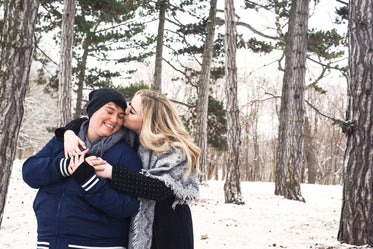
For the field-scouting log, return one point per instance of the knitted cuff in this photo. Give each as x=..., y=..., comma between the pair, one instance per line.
x=64, y=164
x=139, y=185
x=85, y=176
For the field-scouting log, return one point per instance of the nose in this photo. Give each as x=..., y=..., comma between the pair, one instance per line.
x=127, y=111
x=114, y=119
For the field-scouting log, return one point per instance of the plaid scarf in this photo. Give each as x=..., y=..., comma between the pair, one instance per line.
x=169, y=168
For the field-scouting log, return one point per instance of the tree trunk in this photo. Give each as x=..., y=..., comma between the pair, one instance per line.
x=291, y=126
x=257, y=171
x=309, y=154
x=65, y=70
x=17, y=46
x=82, y=67
x=203, y=91
x=232, y=186
x=159, y=50
x=356, y=224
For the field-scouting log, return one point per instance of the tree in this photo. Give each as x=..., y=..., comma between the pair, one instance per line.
x=232, y=186
x=17, y=46
x=291, y=125
x=203, y=90
x=101, y=29
x=356, y=226
x=65, y=72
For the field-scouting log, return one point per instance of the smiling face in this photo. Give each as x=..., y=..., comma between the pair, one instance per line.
x=133, y=118
x=105, y=121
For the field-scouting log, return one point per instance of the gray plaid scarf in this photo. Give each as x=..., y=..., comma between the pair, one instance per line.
x=169, y=168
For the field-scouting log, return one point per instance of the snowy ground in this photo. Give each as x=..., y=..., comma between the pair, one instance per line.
x=265, y=221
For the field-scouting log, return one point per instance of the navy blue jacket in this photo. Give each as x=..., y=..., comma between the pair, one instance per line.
x=70, y=215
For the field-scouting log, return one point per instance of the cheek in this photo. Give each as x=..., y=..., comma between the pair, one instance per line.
x=138, y=123
x=120, y=122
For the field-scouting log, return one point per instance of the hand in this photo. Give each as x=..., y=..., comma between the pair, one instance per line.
x=95, y=161
x=71, y=144
x=76, y=161
x=103, y=170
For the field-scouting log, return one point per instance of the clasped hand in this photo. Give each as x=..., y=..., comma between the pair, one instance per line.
x=72, y=145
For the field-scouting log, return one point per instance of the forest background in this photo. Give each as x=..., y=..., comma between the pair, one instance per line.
x=264, y=95
x=130, y=65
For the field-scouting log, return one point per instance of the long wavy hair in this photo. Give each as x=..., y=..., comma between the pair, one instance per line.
x=162, y=128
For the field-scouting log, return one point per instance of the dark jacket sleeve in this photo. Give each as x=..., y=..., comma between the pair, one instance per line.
x=73, y=125
x=139, y=185
x=47, y=166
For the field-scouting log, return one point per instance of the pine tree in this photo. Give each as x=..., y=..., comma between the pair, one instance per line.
x=356, y=225
x=291, y=129
x=232, y=186
x=17, y=46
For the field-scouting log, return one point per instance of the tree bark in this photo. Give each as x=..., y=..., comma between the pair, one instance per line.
x=203, y=91
x=65, y=69
x=159, y=50
x=356, y=223
x=291, y=126
x=82, y=68
x=310, y=161
x=232, y=186
x=17, y=46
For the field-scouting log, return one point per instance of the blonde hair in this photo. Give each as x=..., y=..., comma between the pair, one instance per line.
x=162, y=128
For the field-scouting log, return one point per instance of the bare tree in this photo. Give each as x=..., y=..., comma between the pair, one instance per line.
x=203, y=90
x=291, y=127
x=232, y=186
x=17, y=46
x=65, y=72
x=356, y=226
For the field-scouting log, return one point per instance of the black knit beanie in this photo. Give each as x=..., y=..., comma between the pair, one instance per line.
x=99, y=97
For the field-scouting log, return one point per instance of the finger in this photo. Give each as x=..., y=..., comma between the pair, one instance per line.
x=101, y=162
x=81, y=143
x=99, y=168
x=85, y=151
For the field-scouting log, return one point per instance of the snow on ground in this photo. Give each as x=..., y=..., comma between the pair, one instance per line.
x=265, y=221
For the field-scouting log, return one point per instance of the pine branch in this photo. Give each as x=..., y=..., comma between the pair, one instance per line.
x=329, y=66
x=49, y=58
x=342, y=2
x=220, y=22
x=173, y=67
x=347, y=126
x=259, y=33
x=182, y=103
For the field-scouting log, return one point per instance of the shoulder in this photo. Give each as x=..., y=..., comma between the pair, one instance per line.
x=122, y=154
x=55, y=142
x=173, y=156
x=120, y=148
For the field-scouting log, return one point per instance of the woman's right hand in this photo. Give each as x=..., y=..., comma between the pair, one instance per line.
x=72, y=143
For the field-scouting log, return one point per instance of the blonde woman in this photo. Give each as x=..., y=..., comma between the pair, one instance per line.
x=168, y=181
